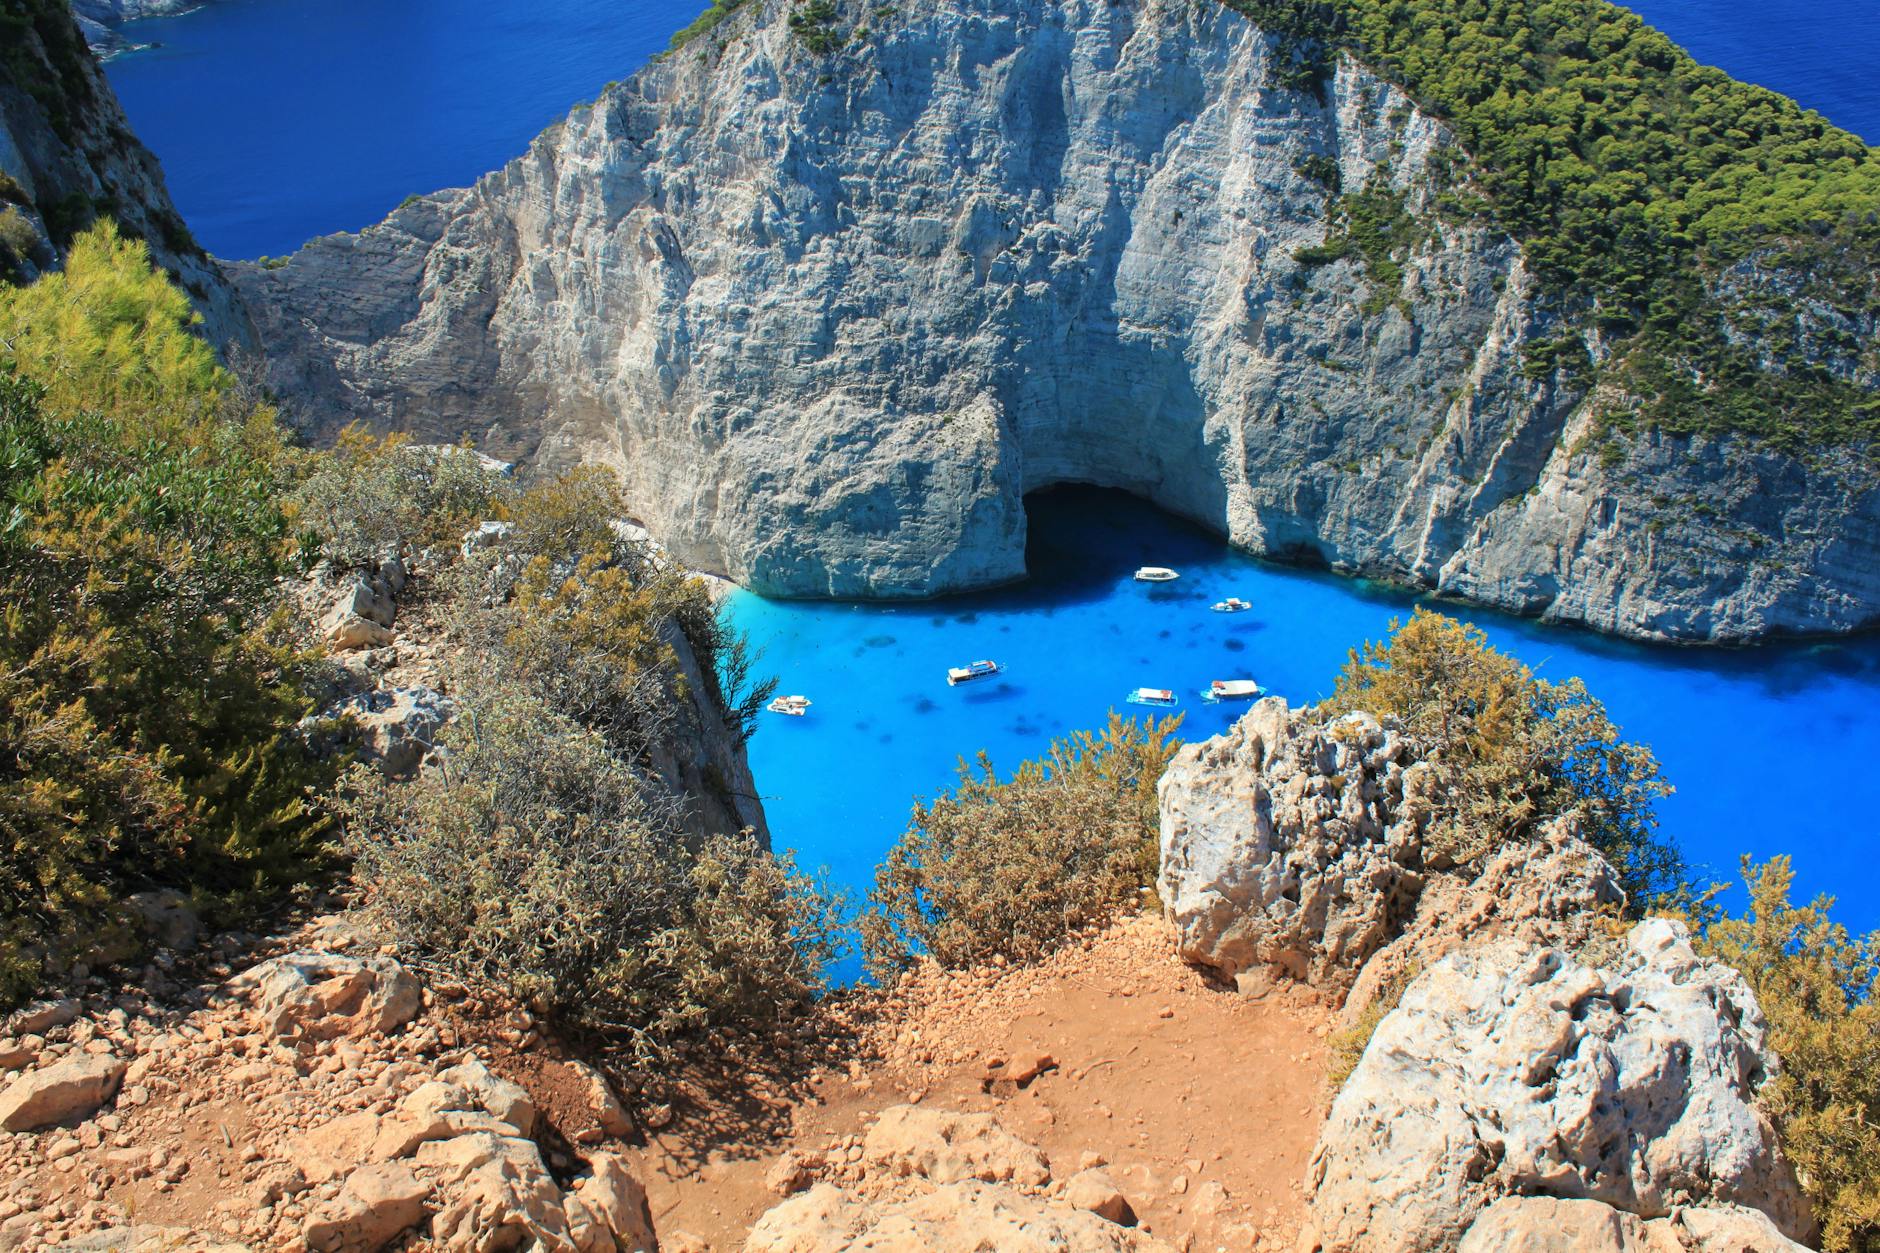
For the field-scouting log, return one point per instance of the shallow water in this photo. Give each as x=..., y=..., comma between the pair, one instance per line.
x=1767, y=747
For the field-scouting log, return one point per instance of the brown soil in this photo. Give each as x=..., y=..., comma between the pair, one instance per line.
x=1203, y=1103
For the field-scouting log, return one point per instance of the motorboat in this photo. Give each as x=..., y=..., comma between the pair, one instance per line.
x=1158, y=696
x=795, y=706
x=1234, y=689
x=1156, y=574
x=1233, y=604
x=957, y=675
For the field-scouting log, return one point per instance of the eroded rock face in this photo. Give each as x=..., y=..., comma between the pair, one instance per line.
x=1515, y=1070
x=832, y=319
x=1288, y=844
x=1292, y=848
x=323, y=995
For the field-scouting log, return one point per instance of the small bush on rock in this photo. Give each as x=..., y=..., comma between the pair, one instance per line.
x=1512, y=751
x=1816, y=985
x=537, y=861
x=1009, y=869
x=371, y=495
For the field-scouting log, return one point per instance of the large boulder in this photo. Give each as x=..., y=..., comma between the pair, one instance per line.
x=376, y=1203
x=1292, y=848
x=1287, y=844
x=325, y=995
x=65, y=1091
x=965, y=1215
x=1511, y=1070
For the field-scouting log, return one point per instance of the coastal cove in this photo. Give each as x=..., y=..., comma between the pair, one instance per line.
x=263, y=150
x=1754, y=740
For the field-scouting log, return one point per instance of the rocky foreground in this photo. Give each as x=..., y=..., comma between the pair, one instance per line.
x=1540, y=1075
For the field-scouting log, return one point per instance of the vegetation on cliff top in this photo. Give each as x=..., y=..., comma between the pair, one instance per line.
x=154, y=677
x=1513, y=752
x=1008, y=869
x=147, y=692
x=1632, y=175
x=1817, y=986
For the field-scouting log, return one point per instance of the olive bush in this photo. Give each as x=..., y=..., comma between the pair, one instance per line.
x=1010, y=868
x=536, y=860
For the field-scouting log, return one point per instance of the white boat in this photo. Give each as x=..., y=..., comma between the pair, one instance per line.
x=1159, y=696
x=1156, y=574
x=1234, y=689
x=1233, y=604
x=957, y=675
x=795, y=706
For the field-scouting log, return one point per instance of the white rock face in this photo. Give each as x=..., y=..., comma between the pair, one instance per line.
x=832, y=316
x=1510, y=1070
x=1293, y=849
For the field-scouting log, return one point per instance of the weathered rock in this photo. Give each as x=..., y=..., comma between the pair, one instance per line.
x=1509, y=1069
x=345, y=631
x=325, y=995
x=1107, y=292
x=1290, y=844
x=1097, y=1192
x=65, y=1091
x=609, y=1114
x=502, y=1098
x=965, y=1215
x=608, y=1211
x=505, y=1198
x=42, y=1016
x=376, y=1203
x=167, y=917
x=149, y=1238
x=793, y=1171
x=944, y=1147
x=1293, y=847
x=1534, y=1224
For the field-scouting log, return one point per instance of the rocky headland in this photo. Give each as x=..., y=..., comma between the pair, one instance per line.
x=832, y=316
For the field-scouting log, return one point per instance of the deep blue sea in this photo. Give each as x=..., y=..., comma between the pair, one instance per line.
x=277, y=120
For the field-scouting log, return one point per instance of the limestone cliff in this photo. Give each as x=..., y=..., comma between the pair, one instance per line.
x=68, y=157
x=833, y=315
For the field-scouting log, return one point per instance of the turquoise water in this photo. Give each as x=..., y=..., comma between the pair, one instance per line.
x=279, y=120
x=1768, y=748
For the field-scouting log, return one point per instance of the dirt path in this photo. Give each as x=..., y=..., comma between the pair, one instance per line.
x=1204, y=1104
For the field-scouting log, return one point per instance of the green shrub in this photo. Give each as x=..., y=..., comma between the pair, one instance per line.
x=1630, y=173
x=704, y=23
x=147, y=695
x=1512, y=752
x=1009, y=869
x=1816, y=985
x=371, y=495
x=813, y=24
x=538, y=862
x=590, y=623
